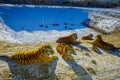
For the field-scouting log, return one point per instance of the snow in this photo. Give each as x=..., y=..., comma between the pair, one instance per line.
x=107, y=64
x=106, y=21
x=70, y=7
x=108, y=25
x=6, y=34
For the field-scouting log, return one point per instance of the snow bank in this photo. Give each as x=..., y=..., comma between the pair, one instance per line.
x=105, y=22
x=56, y=6
x=6, y=34
x=37, y=36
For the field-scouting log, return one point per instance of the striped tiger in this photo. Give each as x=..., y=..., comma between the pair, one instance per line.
x=98, y=41
x=70, y=39
x=88, y=37
x=32, y=56
x=65, y=50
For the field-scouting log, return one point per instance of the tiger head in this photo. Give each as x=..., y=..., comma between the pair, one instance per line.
x=74, y=36
x=70, y=50
x=98, y=37
x=90, y=35
x=48, y=50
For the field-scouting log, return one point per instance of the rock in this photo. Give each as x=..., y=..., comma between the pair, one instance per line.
x=104, y=23
x=36, y=71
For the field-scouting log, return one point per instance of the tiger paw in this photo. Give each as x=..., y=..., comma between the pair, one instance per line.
x=54, y=57
x=48, y=59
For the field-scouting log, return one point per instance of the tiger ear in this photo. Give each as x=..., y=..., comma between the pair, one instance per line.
x=91, y=35
x=48, y=44
x=43, y=48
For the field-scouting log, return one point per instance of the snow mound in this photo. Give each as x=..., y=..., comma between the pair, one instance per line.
x=108, y=25
x=6, y=34
x=104, y=22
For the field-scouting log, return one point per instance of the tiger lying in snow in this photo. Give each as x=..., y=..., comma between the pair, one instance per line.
x=88, y=37
x=70, y=39
x=65, y=50
x=32, y=56
x=98, y=41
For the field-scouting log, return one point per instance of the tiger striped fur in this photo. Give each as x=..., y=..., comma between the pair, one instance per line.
x=98, y=41
x=65, y=50
x=71, y=39
x=29, y=57
x=88, y=37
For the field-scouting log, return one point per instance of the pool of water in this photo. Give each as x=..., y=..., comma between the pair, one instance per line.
x=42, y=18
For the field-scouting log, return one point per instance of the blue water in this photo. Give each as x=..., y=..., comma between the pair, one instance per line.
x=42, y=18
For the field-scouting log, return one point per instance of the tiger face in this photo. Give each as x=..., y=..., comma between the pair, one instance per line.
x=48, y=50
x=74, y=36
x=39, y=55
x=88, y=37
x=98, y=37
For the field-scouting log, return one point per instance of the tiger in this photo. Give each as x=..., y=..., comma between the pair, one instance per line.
x=28, y=57
x=70, y=39
x=88, y=37
x=98, y=41
x=65, y=51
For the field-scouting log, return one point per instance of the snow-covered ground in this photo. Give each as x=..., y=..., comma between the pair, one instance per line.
x=105, y=21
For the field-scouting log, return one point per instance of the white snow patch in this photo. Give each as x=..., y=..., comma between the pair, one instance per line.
x=104, y=22
x=6, y=34
x=108, y=25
